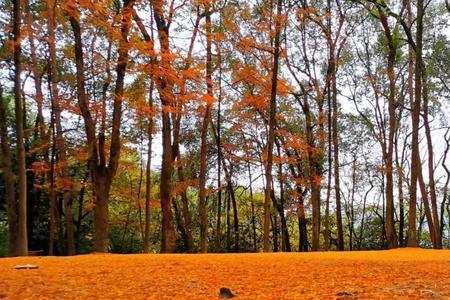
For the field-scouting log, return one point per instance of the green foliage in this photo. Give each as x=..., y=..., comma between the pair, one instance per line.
x=3, y=235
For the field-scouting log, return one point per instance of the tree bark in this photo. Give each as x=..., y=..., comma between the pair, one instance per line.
x=388, y=156
x=312, y=175
x=204, y=138
x=271, y=133
x=102, y=173
x=22, y=238
x=235, y=211
x=337, y=188
x=148, y=175
x=431, y=181
x=60, y=143
x=168, y=243
x=218, y=240
x=285, y=241
x=8, y=176
x=415, y=115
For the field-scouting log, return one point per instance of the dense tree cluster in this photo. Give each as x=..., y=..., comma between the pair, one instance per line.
x=223, y=126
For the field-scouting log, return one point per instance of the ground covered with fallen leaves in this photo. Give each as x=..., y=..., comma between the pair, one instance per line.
x=392, y=274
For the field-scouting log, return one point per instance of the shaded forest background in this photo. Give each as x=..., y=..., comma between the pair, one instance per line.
x=223, y=126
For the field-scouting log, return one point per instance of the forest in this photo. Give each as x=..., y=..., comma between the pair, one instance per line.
x=194, y=126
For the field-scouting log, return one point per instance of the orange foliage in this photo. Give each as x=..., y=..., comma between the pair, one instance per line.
x=392, y=274
x=208, y=99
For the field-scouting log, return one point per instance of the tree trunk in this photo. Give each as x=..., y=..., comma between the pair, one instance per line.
x=55, y=220
x=303, y=240
x=329, y=157
x=252, y=203
x=148, y=174
x=186, y=213
x=181, y=179
x=217, y=133
x=337, y=188
x=275, y=231
x=426, y=207
x=178, y=221
x=235, y=213
x=168, y=230
x=22, y=238
x=285, y=242
x=8, y=176
x=168, y=243
x=102, y=173
x=60, y=143
x=431, y=181
x=271, y=133
x=80, y=211
x=228, y=220
x=415, y=120
x=37, y=76
x=447, y=181
x=314, y=183
x=388, y=157
x=399, y=167
x=204, y=139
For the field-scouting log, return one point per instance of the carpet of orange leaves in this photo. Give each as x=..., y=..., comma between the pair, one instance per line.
x=393, y=274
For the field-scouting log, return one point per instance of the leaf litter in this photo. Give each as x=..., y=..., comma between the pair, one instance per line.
x=391, y=274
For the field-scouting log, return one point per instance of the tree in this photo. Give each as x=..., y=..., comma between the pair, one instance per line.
x=102, y=172
x=388, y=154
x=22, y=238
x=60, y=143
x=165, y=92
x=8, y=177
x=204, y=135
x=271, y=134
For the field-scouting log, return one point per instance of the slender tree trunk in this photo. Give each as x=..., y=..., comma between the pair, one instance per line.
x=204, y=139
x=274, y=226
x=228, y=222
x=60, y=143
x=285, y=242
x=391, y=236
x=179, y=222
x=184, y=198
x=181, y=179
x=271, y=133
x=37, y=76
x=22, y=238
x=303, y=240
x=426, y=207
x=8, y=176
x=314, y=182
x=80, y=211
x=235, y=213
x=53, y=212
x=447, y=181
x=186, y=213
x=252, y=203
x=148, y=174
x=337, y=188
x=415, y=119
x=399, y=167
x=329, y=157
x=431, y=181
x=351, y=208
x=361, y=230
x=218, y=241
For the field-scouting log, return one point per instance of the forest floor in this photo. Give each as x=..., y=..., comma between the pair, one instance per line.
x=392, y=274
